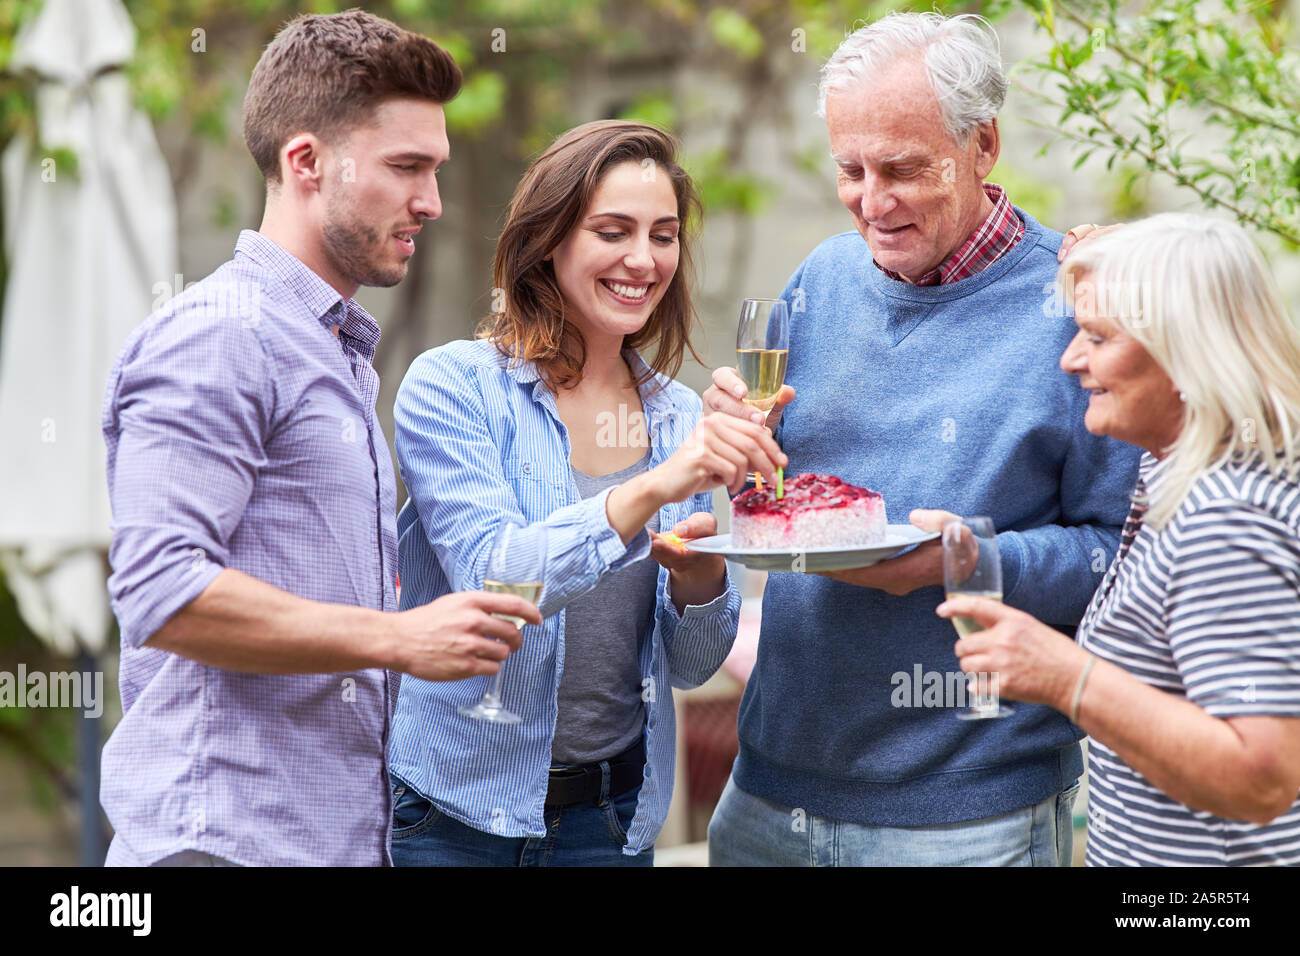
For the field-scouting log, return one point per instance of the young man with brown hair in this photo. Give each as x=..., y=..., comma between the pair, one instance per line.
x=254, y=548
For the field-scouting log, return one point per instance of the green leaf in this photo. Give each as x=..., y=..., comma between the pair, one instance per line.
x=655, y=109
x=722, y=188
x=1041, y=199
x=1046, y=15
x=457, y=44
x=479, y=105
x=732, y=31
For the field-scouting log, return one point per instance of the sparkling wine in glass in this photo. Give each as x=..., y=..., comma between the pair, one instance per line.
x=973, y=567
x=516, y=565
x=762, y=349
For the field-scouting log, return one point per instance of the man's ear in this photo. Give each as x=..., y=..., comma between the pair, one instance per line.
x=302, y=163
x=988, y=145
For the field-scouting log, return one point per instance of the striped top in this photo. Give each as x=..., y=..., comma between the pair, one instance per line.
x=479, y=442
x=1207, y=609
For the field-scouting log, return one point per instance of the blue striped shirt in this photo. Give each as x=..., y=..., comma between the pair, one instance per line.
x=242, y=434
x=479, y=442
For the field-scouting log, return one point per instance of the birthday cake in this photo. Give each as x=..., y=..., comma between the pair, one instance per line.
x=817, y=511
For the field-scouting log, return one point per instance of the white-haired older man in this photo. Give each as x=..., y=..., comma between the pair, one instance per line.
x=924, y=350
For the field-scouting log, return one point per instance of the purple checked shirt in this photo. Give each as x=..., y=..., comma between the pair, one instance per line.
x=242, y=434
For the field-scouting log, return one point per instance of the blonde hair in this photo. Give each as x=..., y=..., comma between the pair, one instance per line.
x=1197, y=295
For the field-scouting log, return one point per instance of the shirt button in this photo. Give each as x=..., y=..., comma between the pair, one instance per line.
x=528, y=469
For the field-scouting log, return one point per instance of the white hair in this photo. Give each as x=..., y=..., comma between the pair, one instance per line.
x=962, y=57
x=1197, y=295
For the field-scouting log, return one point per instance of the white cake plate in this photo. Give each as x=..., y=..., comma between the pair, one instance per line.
x=898, y=538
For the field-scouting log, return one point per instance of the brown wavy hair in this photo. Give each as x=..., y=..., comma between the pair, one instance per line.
x=550, y=201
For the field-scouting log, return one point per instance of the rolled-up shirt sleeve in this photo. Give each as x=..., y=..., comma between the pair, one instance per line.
x=698, y=640
x=186, y=414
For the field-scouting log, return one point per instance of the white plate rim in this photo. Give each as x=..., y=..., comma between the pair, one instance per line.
x=721, y=544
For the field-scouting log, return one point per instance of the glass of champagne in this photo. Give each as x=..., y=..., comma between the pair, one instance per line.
x=762, y=348
x=516, y=565
x=973, y=567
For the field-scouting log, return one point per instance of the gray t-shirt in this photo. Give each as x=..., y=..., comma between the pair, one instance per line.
x=600, y=709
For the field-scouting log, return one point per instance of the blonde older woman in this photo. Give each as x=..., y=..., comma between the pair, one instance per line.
x=1186, y=672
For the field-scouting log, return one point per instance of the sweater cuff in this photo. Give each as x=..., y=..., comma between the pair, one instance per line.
x=1012, y=551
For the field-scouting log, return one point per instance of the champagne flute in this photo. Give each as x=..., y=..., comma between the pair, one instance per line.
x=516, y=565
x=762, y=348
x=973, y=567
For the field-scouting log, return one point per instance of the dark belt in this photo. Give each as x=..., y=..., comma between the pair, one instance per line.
x=568, y=786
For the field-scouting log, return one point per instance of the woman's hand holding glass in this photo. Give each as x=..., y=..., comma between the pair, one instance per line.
x=1034, y=663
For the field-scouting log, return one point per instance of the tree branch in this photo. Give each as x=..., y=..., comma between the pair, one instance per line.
x=1133, y=146
x=1113, y=44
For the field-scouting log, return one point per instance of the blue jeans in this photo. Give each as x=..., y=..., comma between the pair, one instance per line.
x=588, y=834
x=749, y=831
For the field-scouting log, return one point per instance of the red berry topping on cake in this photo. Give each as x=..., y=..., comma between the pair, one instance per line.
x=801, y=492
x=817, y=511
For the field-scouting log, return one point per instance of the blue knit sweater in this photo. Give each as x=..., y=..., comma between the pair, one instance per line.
x=947, y=397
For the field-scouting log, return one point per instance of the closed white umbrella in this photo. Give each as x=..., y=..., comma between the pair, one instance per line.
x=85, y=249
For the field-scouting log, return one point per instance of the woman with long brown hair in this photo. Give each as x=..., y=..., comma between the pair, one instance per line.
x=552, y=419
